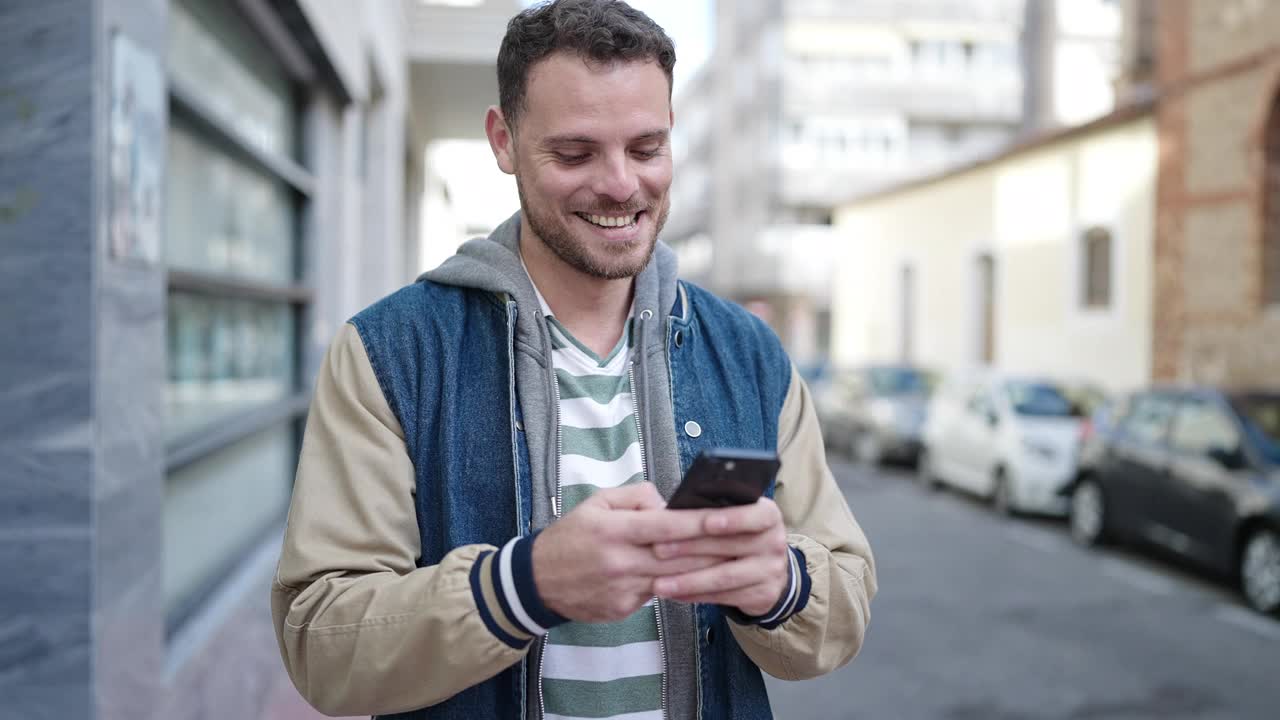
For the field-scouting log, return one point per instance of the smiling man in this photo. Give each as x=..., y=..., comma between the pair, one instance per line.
x=478, y=527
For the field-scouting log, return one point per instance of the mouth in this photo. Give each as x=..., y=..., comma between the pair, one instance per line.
x=613, y=222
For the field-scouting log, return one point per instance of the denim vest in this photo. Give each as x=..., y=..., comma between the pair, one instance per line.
x=444, y=358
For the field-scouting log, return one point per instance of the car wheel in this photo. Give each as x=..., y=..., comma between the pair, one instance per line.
x=1002, y=494
x=867, y=449
x=1260, y=570
x=924, y=470
x=1088, y=514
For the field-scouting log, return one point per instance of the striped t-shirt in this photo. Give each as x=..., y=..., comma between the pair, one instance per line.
x=599, y=670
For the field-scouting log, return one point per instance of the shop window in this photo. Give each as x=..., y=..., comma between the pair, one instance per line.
x=236, y=189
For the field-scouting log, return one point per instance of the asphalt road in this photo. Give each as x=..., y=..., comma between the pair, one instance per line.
x=982, y=618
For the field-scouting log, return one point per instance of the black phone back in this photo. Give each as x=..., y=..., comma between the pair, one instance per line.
x=723, y=477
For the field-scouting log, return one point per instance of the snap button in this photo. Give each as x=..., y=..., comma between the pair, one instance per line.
x=707, y=636
x=679, y=338
x=520, y=425
x=692, y=429
x=646, y=314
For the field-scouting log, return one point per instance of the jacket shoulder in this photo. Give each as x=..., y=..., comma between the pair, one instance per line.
x=729, y=325
x=421, y=304
x=726, y=315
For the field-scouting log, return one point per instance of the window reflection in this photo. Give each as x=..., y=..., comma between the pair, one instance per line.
x=224, y=216
x=225, y=355
x=236, y=75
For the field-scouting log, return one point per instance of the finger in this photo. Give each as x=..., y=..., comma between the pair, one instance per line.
x=636, y=496
x=726, y=576
x=639, y=562
x=756, y=600
x=727, y=546
x=679, y=566
x=654, y=526
x=757, y=517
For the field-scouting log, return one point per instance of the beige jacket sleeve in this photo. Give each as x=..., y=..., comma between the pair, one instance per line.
x=829, y=629
x=362, y=630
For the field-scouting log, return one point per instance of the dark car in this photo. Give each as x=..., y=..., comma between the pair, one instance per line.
x=1195, y=471
x=875, y=413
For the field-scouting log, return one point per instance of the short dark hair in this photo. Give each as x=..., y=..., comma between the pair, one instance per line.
x=599, y=31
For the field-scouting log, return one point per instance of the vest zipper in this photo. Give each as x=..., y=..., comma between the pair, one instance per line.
x=557, y=502
x=644, y=477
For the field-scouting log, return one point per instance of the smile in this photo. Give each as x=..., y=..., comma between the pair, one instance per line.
x=610, y=221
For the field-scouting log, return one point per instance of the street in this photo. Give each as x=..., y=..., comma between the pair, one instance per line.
x=979, y=617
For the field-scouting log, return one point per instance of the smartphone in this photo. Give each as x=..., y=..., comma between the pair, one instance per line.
x=724, y=476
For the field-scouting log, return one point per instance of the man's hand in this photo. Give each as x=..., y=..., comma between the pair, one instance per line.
x=748, y=545
x=597, y=564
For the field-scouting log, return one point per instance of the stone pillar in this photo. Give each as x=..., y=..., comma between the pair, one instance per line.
x=81, y=378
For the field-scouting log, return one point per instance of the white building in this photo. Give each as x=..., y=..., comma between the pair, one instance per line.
x=1038, y=260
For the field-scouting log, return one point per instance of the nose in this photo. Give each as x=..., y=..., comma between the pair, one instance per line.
x=616, y=179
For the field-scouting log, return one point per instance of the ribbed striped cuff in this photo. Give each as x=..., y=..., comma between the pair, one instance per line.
x=507, y=597
x=793, y=599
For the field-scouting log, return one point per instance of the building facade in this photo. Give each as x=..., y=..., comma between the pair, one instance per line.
x=1217, y=282
x=194, y=195
x=816, y=101
x=1030, y=262
x=808, y=102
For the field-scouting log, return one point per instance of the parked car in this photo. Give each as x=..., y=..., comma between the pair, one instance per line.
x=1096, y=431
x=875, y=413
x=1196, y=471
x=1014, y=440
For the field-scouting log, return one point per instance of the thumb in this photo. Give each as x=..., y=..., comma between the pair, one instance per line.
x=637, y=496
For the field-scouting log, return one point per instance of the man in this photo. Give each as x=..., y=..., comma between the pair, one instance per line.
x=478, y=527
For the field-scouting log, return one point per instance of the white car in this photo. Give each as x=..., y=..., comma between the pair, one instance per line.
x=1013, y=440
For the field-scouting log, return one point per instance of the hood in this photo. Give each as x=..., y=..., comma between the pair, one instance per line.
x=493, y=264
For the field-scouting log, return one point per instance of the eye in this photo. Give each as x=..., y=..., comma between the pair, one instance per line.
x=570, y=159
x=647, y=153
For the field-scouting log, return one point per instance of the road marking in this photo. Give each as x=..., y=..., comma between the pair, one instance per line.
x=1137, y=577
x=1247, y=620
x=1035, y=539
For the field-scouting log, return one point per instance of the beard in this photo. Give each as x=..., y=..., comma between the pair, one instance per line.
x=615, y=261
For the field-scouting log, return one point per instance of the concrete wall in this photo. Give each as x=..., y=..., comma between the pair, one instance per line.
x=1027, y=212
x=1219, y=67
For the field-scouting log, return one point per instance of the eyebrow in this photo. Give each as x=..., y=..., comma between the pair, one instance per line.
x=659, y=134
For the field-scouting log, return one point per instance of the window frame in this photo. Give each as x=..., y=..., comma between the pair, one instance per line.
x=290, y=39
x=299, y=295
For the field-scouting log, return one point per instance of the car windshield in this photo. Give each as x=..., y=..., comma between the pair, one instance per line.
x=897, y=381
x=1261, y=415
x=1038, y=400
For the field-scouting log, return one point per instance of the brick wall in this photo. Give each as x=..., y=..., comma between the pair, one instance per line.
x=1219, y=72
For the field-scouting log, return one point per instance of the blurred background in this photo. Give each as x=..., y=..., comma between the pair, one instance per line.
x=1026, y=252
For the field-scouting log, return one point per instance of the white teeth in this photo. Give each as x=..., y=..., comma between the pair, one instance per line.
x=606, y=221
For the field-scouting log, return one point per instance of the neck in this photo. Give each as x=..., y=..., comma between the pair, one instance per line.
x=593, y=309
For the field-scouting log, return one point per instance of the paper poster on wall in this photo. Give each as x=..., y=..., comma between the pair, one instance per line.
x=137, y=141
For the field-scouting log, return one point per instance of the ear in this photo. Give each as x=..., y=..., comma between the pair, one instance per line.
x=672, y=119
x=501, y=140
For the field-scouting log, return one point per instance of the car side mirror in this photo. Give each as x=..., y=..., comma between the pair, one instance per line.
x=1232, y=459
